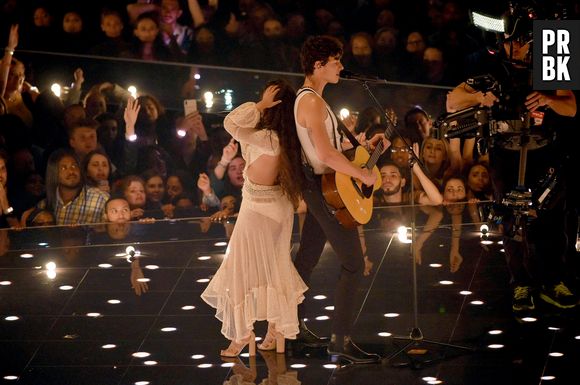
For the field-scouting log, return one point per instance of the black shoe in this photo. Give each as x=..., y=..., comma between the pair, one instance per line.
x=307, y=338
x=522, y=299
x=343, y=346
x=559, y=295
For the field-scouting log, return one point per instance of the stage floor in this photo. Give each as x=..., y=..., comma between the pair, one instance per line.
x=79, y=321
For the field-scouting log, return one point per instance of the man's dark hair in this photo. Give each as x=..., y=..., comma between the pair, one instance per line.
x=52, y=171
x=319, y=48
x=85, y=123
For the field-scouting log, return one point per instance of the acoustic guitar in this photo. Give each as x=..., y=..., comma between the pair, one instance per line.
x=350, y=199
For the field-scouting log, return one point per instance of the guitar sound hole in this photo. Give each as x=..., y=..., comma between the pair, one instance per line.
x=367, y=191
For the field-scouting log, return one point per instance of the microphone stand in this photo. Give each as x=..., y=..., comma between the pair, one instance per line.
x=416, y=335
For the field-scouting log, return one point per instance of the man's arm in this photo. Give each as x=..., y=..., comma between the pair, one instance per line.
x=463, y=96
x=312, y=113
x=563, y=103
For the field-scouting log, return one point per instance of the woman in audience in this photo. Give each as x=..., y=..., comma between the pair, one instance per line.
x=440, y=158
x=97, y=168
x=18, y=95
x=148, y=44
x=154, y=189
x=479, y=182
x=73, y=39
x=230, y=179
x=8, y=218
x=133, y=189
x=153, y=125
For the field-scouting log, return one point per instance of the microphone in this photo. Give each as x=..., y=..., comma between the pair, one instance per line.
x=346, y=74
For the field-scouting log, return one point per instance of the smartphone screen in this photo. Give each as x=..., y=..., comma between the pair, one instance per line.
x=189, y=106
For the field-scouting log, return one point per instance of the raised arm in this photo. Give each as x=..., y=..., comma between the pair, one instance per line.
x=241, y=123
x=196, y=13
x=7, y=59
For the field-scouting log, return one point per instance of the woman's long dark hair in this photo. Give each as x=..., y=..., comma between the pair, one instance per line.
x=280, y=119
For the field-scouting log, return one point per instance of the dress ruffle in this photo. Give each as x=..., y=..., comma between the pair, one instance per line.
x=257, y=280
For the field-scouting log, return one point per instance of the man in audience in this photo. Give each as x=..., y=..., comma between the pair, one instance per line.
x=82, y=137
x=66, y=194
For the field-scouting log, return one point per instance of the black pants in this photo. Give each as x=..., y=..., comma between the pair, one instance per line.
x=320, y=226
x=536, y=256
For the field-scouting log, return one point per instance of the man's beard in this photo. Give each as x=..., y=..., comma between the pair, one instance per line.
x=392, y=191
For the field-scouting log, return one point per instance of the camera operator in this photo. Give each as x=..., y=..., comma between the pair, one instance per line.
x=547, y=120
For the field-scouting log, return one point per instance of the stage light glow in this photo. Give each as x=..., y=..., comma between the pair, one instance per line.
x=495, y=346
x=66, y=287
x=133, y=91
x=105, y=265
x=344, y=113
x=56, y=89
x=488, y=23
x=435, y=265
x=141, y=354
x=187, y=307
x=109, y=346
x=495, y=332
x=198, y=356
x=556, y=354
x=12, y=318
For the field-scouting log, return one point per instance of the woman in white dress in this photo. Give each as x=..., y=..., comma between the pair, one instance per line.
x=257, y=279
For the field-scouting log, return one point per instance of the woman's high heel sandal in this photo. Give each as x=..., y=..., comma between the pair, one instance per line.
x=273, y=341
x=236, y=347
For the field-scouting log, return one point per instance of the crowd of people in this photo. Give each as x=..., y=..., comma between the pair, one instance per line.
x=86, y=149
x=424, y=41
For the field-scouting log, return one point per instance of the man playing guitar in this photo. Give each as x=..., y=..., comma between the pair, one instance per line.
x=322, y=153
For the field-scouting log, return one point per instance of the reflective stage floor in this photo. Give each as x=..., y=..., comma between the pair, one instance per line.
x=74, y=310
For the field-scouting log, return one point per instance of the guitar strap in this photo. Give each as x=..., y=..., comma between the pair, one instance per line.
x=342, y=129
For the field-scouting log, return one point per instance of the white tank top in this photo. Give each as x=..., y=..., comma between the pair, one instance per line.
x=308, y=150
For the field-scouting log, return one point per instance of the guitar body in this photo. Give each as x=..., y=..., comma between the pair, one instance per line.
x=351, y=199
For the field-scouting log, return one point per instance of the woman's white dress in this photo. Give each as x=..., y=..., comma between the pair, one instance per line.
x=257, y=280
